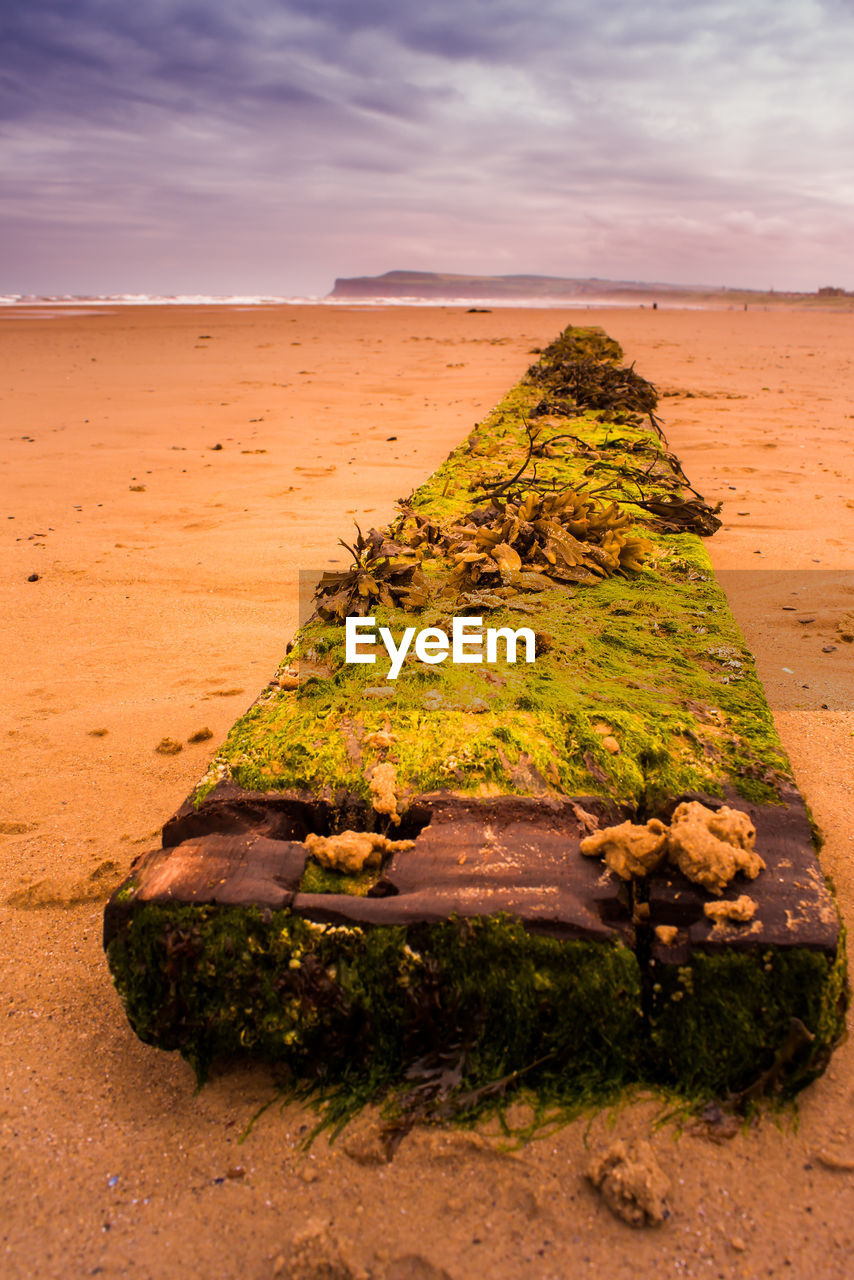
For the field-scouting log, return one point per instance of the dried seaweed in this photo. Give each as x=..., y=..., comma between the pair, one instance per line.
x=529, y=531
x=384, y=571
x=562, y=536
x=681, y=515
x=590, y=384
x=578, y=344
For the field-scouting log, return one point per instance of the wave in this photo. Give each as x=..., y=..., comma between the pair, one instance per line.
x=143, y=300
x=267, y=300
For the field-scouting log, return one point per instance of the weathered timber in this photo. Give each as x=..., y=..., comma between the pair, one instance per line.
x=491, y=940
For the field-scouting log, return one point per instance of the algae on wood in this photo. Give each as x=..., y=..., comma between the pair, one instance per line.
x=493, y=942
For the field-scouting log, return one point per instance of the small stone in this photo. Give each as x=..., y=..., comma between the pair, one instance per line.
x=236, y=1171
x=666, y=934
x=478, y=706
x=738, y=1243
x=632, y=1183
x=828, y=648
x=288, y=682
x=612, y=745
x=382, y=693
x=34, y=577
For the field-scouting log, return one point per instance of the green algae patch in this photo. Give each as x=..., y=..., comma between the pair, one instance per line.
x=658, y=657
x=734, y=1022
x=653, y=651
x=318, y=879
x=338, y=1002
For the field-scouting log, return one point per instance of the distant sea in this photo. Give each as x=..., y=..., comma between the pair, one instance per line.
x=251, y=300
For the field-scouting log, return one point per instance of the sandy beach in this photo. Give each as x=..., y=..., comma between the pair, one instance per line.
x=167, y=472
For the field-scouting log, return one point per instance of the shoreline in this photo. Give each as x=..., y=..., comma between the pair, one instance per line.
x=37, y=307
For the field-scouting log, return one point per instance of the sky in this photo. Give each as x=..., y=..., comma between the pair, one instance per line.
x=268, y=146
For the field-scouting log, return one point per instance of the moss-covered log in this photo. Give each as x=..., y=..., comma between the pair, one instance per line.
x=461, y=924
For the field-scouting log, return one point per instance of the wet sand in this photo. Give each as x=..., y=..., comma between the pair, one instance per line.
x=166, y=592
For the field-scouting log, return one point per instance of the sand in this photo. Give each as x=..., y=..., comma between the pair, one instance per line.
x=167, y=589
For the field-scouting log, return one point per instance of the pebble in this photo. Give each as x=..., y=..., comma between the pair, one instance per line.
x=841, y=1161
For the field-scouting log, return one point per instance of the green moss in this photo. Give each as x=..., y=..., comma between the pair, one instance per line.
x=318, y=879
x=717, y=1023
x=342, y=1003
x=355, y=1008
x=126, y=891
x=656, y=654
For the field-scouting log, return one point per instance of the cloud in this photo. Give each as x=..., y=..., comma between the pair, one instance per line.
x=329, y=133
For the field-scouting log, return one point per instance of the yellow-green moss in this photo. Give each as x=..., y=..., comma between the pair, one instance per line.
x=656, y=654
